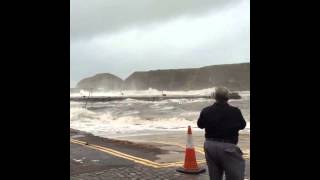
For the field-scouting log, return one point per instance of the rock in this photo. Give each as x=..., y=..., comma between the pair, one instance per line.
x=235, y=77
x=102, y=82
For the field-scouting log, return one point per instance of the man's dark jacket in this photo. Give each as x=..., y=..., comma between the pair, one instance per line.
x=222, y=121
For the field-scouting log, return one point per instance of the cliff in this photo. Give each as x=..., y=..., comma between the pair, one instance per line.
x=234, y=76
x=105, y=81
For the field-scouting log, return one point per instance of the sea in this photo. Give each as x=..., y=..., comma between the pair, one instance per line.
x=132, y=117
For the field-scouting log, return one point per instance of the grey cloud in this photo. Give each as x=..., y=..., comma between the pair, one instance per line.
x=110, y=36
x=92, y=17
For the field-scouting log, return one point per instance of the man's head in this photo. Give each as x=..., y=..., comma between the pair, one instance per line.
x=221, y=94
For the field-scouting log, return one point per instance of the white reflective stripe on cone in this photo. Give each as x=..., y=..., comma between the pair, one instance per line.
x=189, y=141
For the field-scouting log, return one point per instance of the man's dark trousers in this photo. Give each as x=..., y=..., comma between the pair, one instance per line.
x=225, y=158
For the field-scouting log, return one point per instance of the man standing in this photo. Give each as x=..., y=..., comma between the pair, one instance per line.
x=222, y=123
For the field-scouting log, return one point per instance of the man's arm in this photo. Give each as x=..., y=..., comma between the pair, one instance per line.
x=242, y=121
x=201, y=121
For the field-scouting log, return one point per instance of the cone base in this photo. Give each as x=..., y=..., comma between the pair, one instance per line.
x=191, y=171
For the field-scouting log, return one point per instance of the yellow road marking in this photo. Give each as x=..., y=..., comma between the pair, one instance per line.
x=139, y=160
x=142, y=161
x=198, y=149
x=118, y=154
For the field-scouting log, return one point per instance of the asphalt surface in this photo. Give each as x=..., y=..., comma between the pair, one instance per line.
x=94, y=157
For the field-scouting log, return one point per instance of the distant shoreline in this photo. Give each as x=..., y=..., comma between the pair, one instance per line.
x=236, y=77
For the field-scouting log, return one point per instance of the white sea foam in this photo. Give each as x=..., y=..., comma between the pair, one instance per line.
x=105, y=124
x=132, y=116
x=149, y=92
x=98, y=123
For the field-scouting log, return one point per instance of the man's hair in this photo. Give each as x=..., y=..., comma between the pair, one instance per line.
x=221, y=94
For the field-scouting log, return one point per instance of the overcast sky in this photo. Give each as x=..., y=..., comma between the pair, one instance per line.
x=123, y=36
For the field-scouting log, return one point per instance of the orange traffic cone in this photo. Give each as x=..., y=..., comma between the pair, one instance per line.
x=190, y=163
